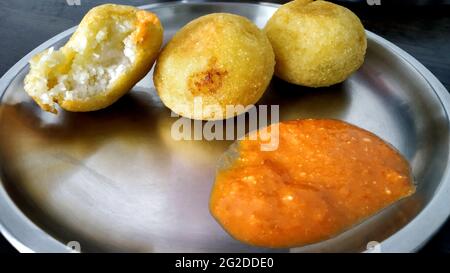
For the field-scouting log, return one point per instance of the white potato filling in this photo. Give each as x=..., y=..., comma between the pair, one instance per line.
x=86, y=67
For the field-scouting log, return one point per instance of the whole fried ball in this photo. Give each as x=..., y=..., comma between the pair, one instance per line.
x=316, y=43
x=213, y=65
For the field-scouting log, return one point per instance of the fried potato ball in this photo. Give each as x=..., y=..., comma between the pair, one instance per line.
x=112, y=49
x=316, y=43
x=216, y=60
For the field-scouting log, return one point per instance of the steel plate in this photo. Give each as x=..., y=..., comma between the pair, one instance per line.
x=114, y=180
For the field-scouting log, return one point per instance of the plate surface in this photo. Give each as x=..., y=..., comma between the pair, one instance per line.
x=115, y=180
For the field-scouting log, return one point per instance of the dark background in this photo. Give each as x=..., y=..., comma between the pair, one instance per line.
x=420, y=27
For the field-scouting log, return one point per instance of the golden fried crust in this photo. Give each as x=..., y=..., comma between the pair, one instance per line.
x=147, y=37
x=224, y=59
x=316, y=43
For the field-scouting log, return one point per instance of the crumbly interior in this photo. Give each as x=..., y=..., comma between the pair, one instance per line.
x=85, y=66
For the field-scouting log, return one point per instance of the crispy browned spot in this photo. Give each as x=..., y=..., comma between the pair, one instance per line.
x=207, y=81
x=144, y=19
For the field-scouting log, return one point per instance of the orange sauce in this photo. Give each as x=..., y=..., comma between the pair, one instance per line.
x=325, y=177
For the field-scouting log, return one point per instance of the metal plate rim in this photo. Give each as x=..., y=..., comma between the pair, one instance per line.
x=37, y=240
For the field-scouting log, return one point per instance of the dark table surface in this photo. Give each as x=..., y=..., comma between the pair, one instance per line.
x=423, y=31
